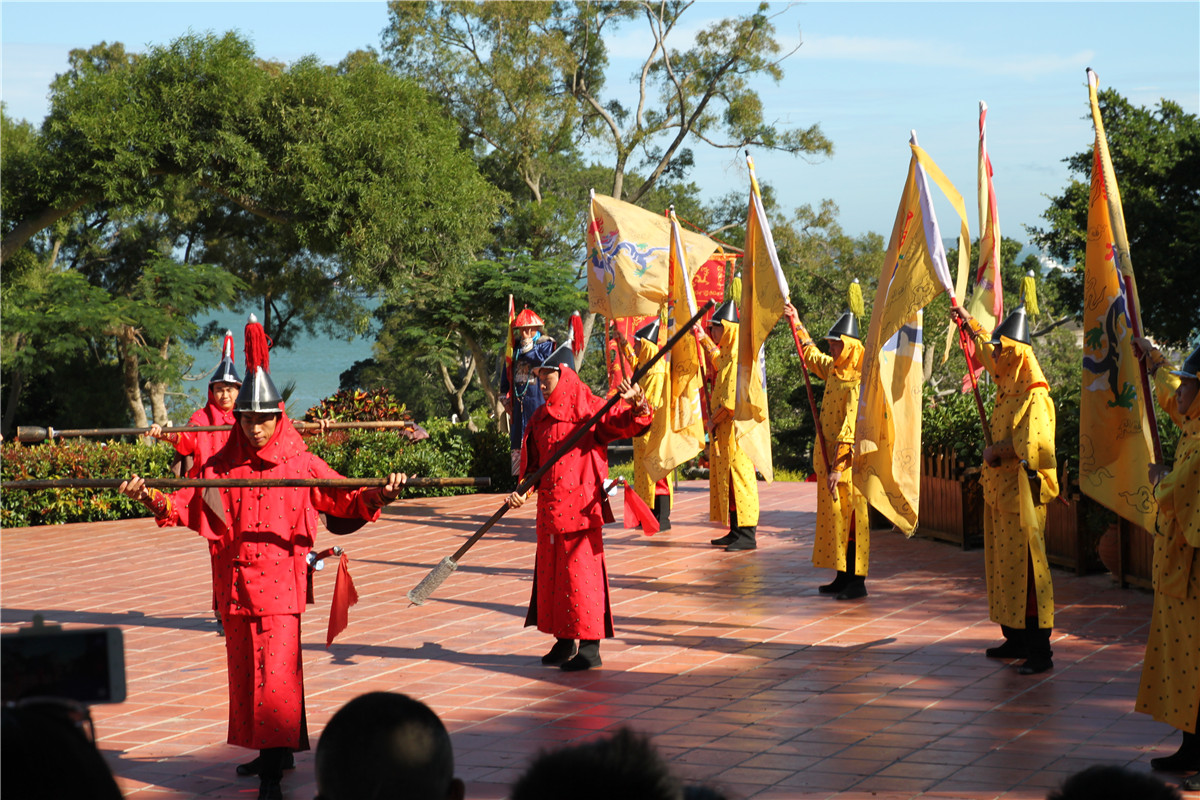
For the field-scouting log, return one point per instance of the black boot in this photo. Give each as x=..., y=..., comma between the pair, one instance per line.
x=587, y=657
x=270, y=772
x=561, y=652
x=730, y=537
x=839, y=583
x=746, y=539
x=1014, y=644
x=1191, y=783
x=1038, y=641
x=252, y=767
x=856, y=588
x=662, y=511
x=1185, y=759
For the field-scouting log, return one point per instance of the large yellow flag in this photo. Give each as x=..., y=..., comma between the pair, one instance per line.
x=887, y=455
x=684, y=436
x=1114, y=428
x=764, y=292
x=628, y=269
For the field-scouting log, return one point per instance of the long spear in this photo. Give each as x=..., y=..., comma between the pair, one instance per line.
x=224, y=483
x=437, y=576
x=29, y=434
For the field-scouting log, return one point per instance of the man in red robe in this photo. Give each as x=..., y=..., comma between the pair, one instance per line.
x=570, y=599
x=262, y=537
x=193, y=448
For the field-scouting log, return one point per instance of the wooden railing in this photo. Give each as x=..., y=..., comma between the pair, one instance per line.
x=952, y=511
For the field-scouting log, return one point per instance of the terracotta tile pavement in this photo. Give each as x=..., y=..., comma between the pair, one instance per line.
x=744, y=675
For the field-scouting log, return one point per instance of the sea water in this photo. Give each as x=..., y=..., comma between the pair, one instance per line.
x=315, y=363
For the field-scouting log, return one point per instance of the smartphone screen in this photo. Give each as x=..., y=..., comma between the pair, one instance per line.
x=87, y=665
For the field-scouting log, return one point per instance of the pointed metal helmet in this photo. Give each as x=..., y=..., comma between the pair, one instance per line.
x=1191, y=367
x=847, y=325
x=226, y=371
x=258, y=394
x=649, y=331
x=726, y=313
x=1015, y=327
x=559, y=357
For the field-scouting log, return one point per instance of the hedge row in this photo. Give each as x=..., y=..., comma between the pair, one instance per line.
x=450, y=451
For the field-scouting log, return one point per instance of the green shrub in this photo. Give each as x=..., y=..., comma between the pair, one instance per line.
x=76, y=458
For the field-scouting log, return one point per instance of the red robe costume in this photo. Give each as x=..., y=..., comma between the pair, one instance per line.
x=195, y=448
x=570, y=585
x=261, y=537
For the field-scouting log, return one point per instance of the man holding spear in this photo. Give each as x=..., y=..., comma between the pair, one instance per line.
x=570, y=599
x=262, y=537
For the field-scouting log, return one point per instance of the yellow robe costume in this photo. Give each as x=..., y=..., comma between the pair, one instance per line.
x=727, y=462
x=654, y=385
x=839, y=408
x=1170, y=686
x=1014, y=522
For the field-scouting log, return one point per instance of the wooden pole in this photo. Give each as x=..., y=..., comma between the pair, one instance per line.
x=812, y=403
x=230, y=483
x=31, y=433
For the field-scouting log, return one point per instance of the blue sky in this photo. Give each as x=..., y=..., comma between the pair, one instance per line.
x=867, y=72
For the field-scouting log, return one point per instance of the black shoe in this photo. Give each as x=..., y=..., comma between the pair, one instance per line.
x=1035, y=666
x=587, y=657
x=562, y=651
x=727, y=539
x=1009, y=649
x=1191, y=783
x=662, y=511
x=1179, y=761
x=839, y=583
x=270, y=790
x=856, y=588
x=251, y=767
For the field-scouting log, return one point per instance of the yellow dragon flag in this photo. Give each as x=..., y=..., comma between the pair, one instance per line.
x=684, y=436
x=764, y=292
x=1115, y=443
x=628, y=269
x=887, y=454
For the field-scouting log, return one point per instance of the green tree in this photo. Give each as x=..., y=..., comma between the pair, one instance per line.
x=1156, y=158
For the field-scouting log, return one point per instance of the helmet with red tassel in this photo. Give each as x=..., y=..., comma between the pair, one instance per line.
x=258, y=393
x=226, y=371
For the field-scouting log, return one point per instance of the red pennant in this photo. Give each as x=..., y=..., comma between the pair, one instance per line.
x=344, y=596
x=636, y=511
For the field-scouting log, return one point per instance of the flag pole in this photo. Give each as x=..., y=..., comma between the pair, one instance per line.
x=983, y=420
x=1117, y=218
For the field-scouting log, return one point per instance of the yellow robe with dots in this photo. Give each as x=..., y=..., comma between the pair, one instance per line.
x=839, y=408
x=1170, y=685
x=1014, y=520
x=728, y=463
x=654, y=385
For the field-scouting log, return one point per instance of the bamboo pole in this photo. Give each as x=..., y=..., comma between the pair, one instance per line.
x=231, y=483
x=438, y=575
x=29, y=434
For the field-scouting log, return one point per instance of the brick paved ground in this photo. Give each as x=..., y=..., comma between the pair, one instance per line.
x=745, y=676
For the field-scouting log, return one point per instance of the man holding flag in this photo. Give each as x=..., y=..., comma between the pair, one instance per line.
x=1019, y=477
x=842, y=540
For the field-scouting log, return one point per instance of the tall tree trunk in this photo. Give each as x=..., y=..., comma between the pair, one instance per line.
x=16, y=385
x=483, y=374
x=158, y=390
x=131, y=375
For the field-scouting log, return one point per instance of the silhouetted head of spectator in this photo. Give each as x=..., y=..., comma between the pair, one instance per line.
x=386, y=746
x=48, y=751
x=624, y=765
x=1103, y=782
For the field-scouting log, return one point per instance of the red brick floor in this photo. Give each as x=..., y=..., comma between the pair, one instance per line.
x=744, y=675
